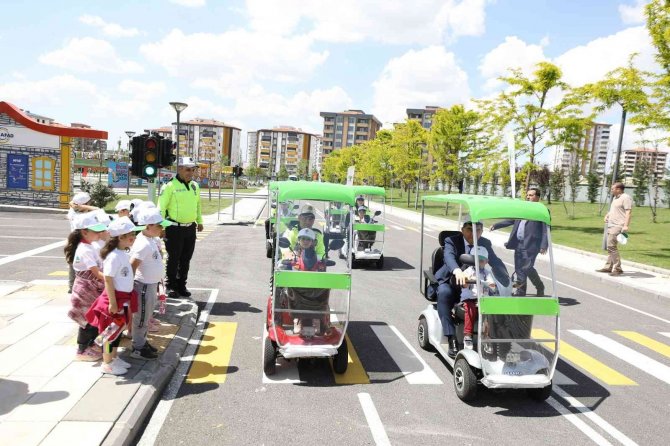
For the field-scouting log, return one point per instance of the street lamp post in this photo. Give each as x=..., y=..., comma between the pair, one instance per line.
x=97, y=141
x=130, y=134
x=178, y=107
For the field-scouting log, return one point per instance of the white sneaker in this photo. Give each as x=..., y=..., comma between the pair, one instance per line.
x=113, y=369
x=120, y=362
x=467, y=342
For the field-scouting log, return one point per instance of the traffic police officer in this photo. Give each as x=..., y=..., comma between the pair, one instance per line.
x=180, y=203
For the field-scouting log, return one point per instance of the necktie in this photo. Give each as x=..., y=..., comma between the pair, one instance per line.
x=469, y=249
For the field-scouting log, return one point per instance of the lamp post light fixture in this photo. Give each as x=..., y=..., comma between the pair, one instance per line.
x=178, y=107
x=130, y=134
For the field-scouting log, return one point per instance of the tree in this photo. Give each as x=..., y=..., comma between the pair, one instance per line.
x=524, y=105
x=666, y=188
x=282, y=175
x=505, y=178
x=557, y=184
x=253, y=172
x=543, y=177
x=101, y=194
x=408, y=155
x=573, y=182
x=375, y=159
x=657, y=13
x=641, y=181
x=301, y=171
x=593, y=184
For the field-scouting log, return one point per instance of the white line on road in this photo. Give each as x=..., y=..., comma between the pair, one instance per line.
x=579, y=424
x=31, y=237
x=374, y=422
x=25, y=254
x=634, y=358
x=426, y=375
x=399, y=228
x=165, y=404
x=596, y=419
x=666, y=334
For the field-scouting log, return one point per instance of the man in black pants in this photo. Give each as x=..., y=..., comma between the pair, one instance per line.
x=180, y=203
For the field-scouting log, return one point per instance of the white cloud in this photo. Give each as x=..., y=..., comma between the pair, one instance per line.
x=422, y=22
x=89, y=55
x=430, y=76
x=633, y=14
x=58, y=90
x=238, y=53
x=512, y=53
x=142, y=90
x=109, y=29
x=189, y=3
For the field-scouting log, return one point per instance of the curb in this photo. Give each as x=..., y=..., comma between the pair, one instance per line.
x=31, y=209
x=131, y=421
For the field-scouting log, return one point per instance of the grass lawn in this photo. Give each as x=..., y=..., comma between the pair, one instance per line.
x=647, y=243
x=208, y=207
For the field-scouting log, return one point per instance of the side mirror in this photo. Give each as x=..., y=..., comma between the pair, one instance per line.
x=284, y=242
x=336, y=244
x=465, y=259
x=378, y=213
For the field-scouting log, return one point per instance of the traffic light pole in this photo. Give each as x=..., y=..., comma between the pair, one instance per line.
x=234, y=194
x=151, y=190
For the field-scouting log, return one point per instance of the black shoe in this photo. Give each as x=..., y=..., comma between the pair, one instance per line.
x=144, y=353
x=540, y=292
x=150, y=347
x=184, y=292
x=173, y=294
x=453, y=347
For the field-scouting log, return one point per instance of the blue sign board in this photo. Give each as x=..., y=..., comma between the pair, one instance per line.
x=118, y=174
x=17, y=171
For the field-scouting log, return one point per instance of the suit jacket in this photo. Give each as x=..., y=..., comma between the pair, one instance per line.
x=534, y=239
x=453, y=248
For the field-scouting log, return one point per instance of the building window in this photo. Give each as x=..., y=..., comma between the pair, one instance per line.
x=44, y=170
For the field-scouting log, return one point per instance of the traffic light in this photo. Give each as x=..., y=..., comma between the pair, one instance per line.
x=237, y=171
x=150, y=158
x=137, y=155
x=165, y=152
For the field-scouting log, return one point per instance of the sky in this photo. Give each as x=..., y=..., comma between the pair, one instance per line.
x=262, y=63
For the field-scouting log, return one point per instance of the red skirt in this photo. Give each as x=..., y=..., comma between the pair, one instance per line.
x=98, y=315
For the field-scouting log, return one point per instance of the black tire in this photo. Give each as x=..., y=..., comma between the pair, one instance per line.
x=465, y=381
x=380, y=262
x=268, y=250
x=269, y=357
x=422, y=335
x=341, y=359
x=540, y=394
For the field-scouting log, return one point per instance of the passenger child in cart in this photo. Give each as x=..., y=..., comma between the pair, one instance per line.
x=469, y=293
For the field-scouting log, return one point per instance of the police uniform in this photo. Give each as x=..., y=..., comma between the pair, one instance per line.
x=180, y=203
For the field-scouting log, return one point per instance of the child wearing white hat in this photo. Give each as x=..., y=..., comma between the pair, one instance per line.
x=118, y=293
x=78, y=205
x=122, y=208
x=469, y=293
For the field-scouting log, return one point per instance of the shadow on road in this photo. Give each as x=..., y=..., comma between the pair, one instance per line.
x=230, y=308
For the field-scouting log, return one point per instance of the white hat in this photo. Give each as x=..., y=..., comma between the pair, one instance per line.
x=123, y=205
x=103, y=216
x=362, y=208
x=360, y=197
x=482, y=252
x=149, y=215
x=81, y=198
x=307, y=233
x=136, y=201
x=307, y=209
x=139, y=207
x=90, y=221
x=186, y=161
x=121, y=226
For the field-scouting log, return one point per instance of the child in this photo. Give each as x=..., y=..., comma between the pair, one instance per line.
x=118, y=290
x=122, y=208
x=84, y=256
x=307, y=298
x=469, y=293
x=78, y=205
x=147, y=262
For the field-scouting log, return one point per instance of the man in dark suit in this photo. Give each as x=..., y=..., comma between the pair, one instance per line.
x=448, y=295
x=528, y=239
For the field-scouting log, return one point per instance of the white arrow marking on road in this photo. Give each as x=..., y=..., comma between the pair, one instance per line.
x=24, y=254
x=374, y=422
x=642, y=362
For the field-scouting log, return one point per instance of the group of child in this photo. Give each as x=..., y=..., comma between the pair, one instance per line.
x=117, y=269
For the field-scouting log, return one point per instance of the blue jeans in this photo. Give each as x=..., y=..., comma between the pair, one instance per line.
x=446, y=299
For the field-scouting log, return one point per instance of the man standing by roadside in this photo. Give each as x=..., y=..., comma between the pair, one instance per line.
x=618, y=220
x=528, y=239
x=180, y=203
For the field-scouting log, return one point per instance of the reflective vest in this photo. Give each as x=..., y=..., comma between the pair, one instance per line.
x=181, y=203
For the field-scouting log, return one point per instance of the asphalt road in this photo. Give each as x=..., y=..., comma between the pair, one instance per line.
x=309, y=406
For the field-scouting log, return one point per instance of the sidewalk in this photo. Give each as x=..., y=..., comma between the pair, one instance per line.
x=638, y=277
x=247, y=210
x=47, y=398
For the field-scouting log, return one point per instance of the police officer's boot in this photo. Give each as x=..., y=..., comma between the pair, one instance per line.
x=181, y=289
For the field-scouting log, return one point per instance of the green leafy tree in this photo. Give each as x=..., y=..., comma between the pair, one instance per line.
x=301, y=171
x=375, y=159
x=657, y=13
x=101, y=194
x=641, y=181
x=557, y=184
x=282, y=175
x=543, y=177
x=593, y=184
x=408, y=155
x=573, y=183
x=666, y=188
x=505, y=178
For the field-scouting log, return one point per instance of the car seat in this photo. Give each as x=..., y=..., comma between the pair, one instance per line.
x=437, y=261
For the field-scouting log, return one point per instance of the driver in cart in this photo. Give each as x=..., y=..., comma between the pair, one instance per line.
x=306, y=221
x=447, y=294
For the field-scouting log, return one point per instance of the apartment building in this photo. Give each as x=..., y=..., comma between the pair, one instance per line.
x=657, y=159
x=281, y=146
x=346, y=129
x=592, y=152
x=423, y=115
x=208, y=140
x=165, y=132
x=252, y=148
x=316, y=154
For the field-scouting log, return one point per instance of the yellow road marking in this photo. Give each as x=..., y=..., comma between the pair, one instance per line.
x=210, y=364
x=355, y=373
x=59, y=273
x=648, y=342
x=590, y=364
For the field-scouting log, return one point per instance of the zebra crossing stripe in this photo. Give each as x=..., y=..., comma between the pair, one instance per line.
x=596, y=368
x=632, y=357
x=665, y=333
x=646, y=341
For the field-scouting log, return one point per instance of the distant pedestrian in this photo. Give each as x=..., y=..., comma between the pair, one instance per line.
x=180, y=203
x=79, y=204
x=82, y=253
x=528, y=239
x=618, y=221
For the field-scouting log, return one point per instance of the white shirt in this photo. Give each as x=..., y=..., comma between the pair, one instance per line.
x=71, y=214
x=86, y=257
x=117, y=265
x=147, y=250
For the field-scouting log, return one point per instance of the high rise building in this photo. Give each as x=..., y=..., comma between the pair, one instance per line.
x=282, y=146
x=590, y=154
x=346, y=129
x=423, y=115
x=316, y=154
x=208, y=140
x=657, y=159
x=252, y=148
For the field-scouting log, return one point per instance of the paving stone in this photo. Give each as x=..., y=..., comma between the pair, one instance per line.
x=14, y=357
x=104, y=401
x=17, y=390
x=77, y=433
x=25, y=433
x=49, y=363
x=18, y=329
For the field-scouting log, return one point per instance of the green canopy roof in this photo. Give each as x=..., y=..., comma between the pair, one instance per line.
x=311, y=190
x=481, y=207
x=369, y=190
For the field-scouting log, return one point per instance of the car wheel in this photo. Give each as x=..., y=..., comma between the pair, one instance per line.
x=269, y=357
x=341, y=359
x=380, y=263
x=422, y=335
x=465, y=381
